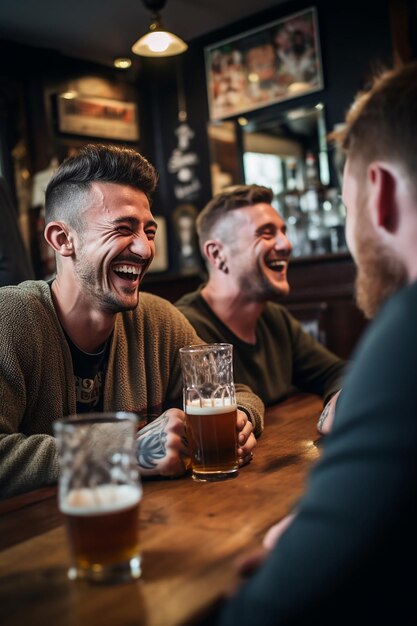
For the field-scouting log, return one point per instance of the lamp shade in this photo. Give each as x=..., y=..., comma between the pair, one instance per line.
x=159, y=43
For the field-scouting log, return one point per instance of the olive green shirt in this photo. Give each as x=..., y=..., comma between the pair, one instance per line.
x=37, y=384
x=284, y=355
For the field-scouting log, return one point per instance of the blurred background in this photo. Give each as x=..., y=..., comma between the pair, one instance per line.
x=252, y=98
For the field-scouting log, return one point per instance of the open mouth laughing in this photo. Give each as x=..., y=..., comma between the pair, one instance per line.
x=129, y=274
x=127, y=271
x=277, y=265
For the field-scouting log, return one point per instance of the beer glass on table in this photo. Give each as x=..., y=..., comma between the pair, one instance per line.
x=99, y=493
x=210, y=410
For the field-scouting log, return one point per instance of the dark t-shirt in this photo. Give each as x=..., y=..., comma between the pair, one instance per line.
x=89, y=374
x=283, y=357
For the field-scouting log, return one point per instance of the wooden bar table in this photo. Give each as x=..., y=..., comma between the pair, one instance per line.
x=191, y=535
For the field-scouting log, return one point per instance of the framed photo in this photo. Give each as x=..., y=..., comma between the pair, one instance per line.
x=276, y=62
x=98, y=117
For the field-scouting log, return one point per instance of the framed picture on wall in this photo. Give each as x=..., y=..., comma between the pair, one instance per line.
x=97, y=117
x=276, y=62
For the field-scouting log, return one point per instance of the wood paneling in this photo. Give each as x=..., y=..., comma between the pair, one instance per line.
x=327, y=283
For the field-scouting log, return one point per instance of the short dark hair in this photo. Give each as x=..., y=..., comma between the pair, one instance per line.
x=229, y=199
x=382, y=122
x=95, y=163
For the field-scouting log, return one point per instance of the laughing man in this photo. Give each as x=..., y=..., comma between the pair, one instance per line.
x=87, y=340
x=243, y=240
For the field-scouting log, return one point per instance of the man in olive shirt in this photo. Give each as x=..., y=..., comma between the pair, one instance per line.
x=243, y=240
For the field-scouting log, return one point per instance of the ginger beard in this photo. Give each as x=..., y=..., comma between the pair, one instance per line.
x=380, y=273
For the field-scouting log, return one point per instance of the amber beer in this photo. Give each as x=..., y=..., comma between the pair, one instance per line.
x=212, y=436
x=103, y=529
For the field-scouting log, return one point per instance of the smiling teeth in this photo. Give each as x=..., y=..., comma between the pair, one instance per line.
x=126, y=269
x=278, y=264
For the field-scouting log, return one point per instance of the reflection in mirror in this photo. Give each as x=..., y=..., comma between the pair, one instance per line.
x=290, y=137
x=288, y=152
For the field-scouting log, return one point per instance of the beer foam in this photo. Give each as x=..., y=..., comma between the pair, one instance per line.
x=100, y=499
x=209, y=407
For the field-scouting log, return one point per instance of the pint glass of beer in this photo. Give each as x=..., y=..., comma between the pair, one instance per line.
x=210, y=410
x=99, y=494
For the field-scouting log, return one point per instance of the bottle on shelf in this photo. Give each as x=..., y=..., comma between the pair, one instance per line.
x=334, y=220
x=313, y=212
x=313, y=190
x=312, y=203
x=294, y=216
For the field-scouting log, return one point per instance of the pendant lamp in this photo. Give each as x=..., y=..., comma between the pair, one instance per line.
x=158, y=42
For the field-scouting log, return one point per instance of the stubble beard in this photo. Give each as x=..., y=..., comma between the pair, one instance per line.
x=108, y=302
x=259, y=288
x=380, y=274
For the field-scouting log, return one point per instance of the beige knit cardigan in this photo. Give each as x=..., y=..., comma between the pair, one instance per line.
x=37, y=383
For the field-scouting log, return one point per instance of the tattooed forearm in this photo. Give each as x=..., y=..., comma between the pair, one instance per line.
x=152, y=443
x=323, y=416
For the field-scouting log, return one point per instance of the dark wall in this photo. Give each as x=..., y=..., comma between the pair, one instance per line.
x=30, y=139
x=355, y=39
x=28, y=82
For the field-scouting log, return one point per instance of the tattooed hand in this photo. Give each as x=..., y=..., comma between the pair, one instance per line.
x=326, y=418
x=162, y=447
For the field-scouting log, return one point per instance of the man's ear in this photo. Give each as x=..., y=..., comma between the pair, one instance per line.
x=383, y=189
x=215, y=254
x=58, y=237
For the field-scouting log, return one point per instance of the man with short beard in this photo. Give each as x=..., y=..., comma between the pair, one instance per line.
x=348, y=555
x=84, y=342
x=243, y=240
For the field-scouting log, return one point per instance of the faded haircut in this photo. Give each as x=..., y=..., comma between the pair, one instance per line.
x=229, y=199
x=67, y=190
x=382, y=122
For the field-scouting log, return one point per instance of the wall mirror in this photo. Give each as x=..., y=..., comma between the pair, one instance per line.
x=276, y=149
x=288, y=152
x=265, y=149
